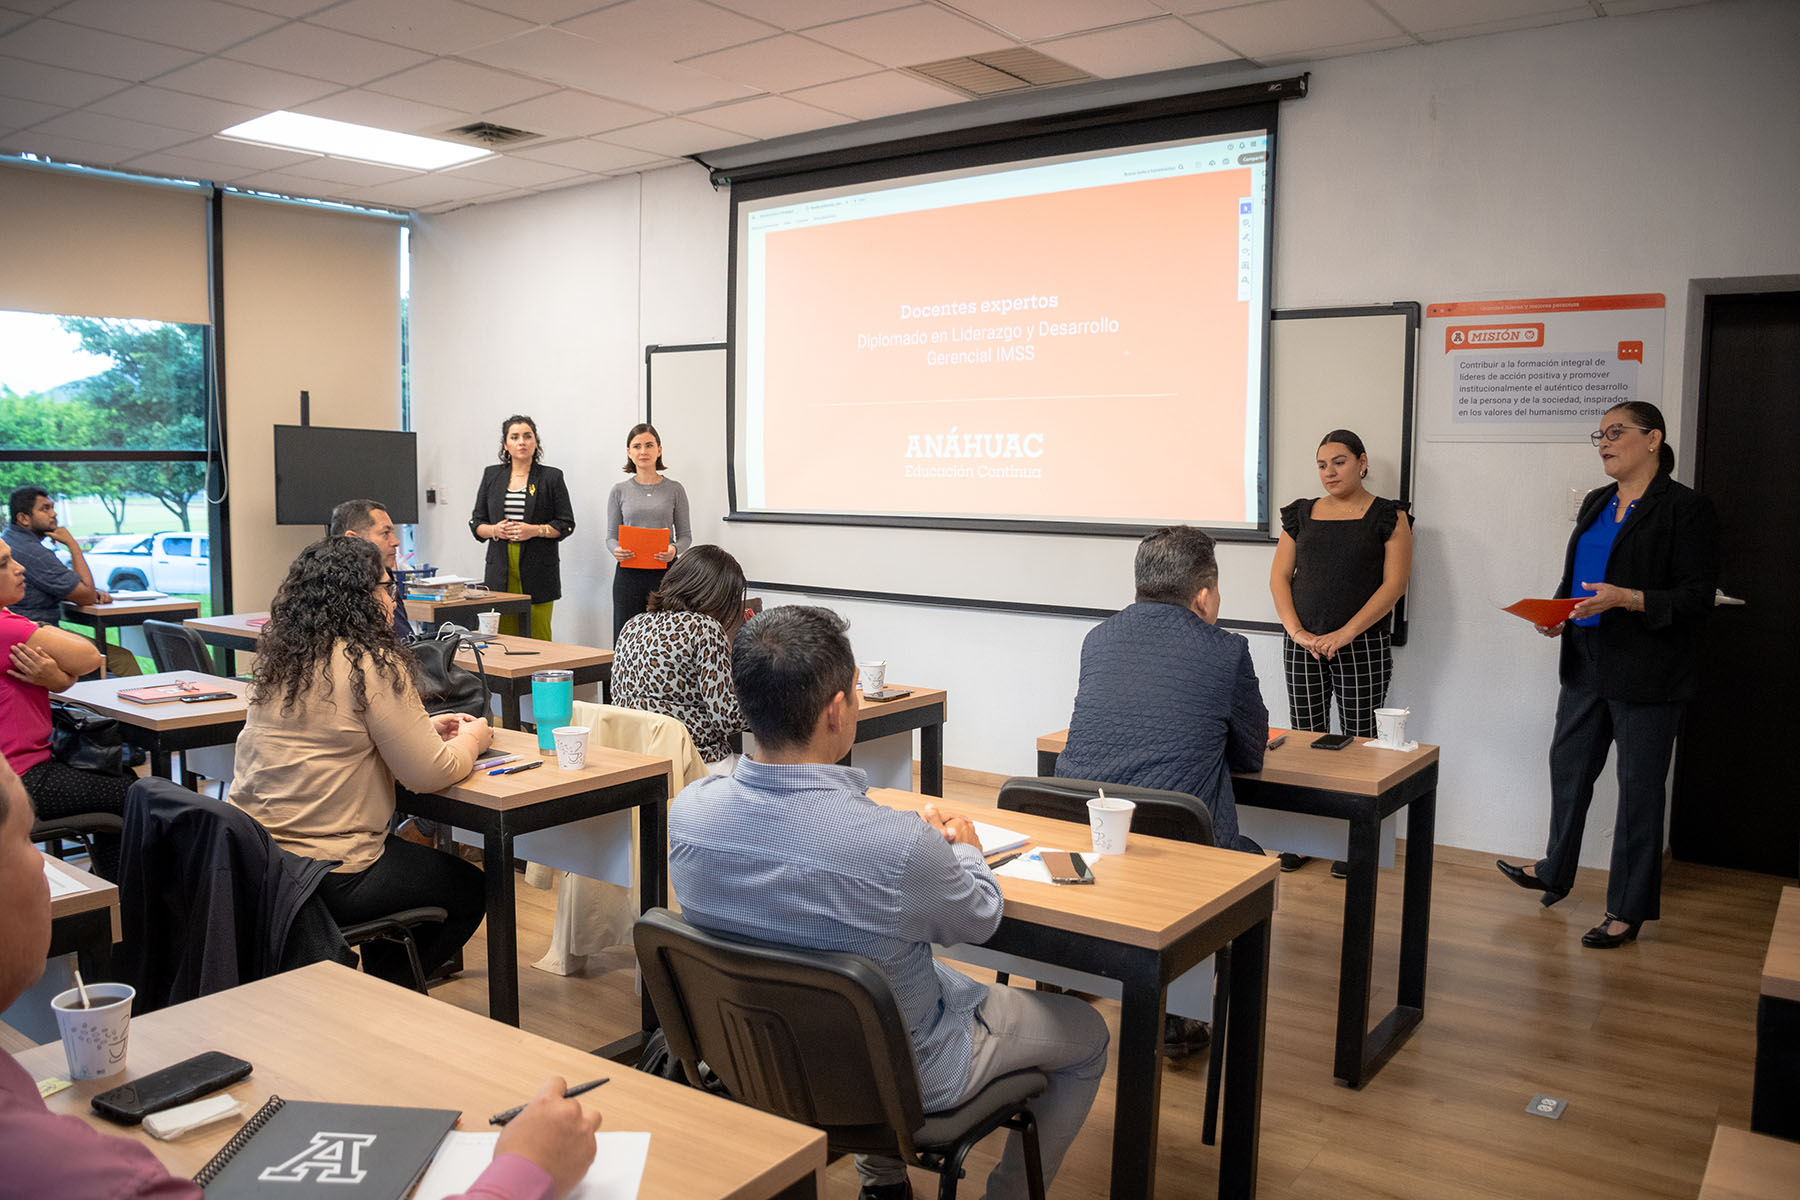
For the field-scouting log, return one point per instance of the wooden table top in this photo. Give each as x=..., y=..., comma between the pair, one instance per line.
x=419, y=609
x=95, y=893
x=134, y=608
x=1357, y=769
x=328, y=1033
x=920, y=698
x=1750, y=1166
x=1781, y=968
x=539, y=656
x=102, y=695
x=1149, y=896
x=238, y=624
x=503, y=793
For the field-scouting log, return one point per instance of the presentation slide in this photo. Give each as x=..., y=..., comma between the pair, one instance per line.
x=1063, y=341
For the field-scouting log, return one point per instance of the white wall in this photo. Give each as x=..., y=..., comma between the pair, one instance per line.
x=1623, y=155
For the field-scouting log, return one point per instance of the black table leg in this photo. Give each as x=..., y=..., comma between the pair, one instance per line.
x=1358, y=955
x=1240, y=1140
x=162, y=765
x=509, y=707
x=502, y=926
x=653, y=875
x=931, y=759
x=1047, y=763
x=1415, y=909
x=1138, y=1102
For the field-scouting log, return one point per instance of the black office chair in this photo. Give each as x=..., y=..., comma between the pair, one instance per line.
x=1164, y=814
x=175, y=647
x=52, y=832
x=398, y=928
x=817, y=1037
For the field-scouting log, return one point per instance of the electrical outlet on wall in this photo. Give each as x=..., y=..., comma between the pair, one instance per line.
x=1576, y=496
x=431, y=491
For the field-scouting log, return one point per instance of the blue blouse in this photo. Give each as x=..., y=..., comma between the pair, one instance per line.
x=1592, y=550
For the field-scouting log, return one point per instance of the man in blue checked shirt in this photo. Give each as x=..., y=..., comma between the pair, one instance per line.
x=791, y=849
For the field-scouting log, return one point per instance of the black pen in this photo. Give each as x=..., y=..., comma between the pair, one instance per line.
x=521, y=767
x=501, y=1118
x=1001, y=862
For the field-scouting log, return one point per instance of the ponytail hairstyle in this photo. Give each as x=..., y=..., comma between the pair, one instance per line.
x=1350, y=442
x=1650, y=418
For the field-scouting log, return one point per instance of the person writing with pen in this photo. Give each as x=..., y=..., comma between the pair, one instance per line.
x=541, y=1155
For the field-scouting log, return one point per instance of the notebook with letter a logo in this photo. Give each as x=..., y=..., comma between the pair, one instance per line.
x=298, y=1150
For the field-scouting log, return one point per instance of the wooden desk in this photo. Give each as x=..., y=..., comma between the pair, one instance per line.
x=1155, y=911
x=102, y=617
x=502, y=807
x=85, y=922
x=924, y=711
x=331, y=1034
x=430, y=613
x=1362, y=787
x=1749, y=1166
x=508, y=660
x=163, y=729
x=1775, y=1095
x=228, y=632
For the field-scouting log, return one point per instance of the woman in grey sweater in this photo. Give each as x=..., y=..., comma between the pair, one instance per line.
x=648, y=500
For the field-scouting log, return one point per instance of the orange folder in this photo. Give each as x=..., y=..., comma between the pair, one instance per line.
x=1544, y=612
x=644, y=545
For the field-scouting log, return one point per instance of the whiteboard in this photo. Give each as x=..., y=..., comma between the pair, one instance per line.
x=1339, y=368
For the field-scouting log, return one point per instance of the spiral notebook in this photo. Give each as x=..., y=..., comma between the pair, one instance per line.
x=299, y=1149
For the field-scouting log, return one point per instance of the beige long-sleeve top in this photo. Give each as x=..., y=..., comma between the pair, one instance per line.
x=320, y=778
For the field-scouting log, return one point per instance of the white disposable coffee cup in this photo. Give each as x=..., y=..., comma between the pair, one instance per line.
x=1110, y=820
x=571, y=746
x=874, y=675
x=94, y=1038
x=1390, y=726
x=490, y=622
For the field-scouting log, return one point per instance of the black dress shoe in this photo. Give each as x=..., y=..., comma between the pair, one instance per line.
x=1340, y=869
x=887, y=1191
x=1183, y=1036
x=1293, y=862
x=1598, y=939
x=1530, y=883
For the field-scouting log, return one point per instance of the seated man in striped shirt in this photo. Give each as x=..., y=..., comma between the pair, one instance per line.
x=791, y=849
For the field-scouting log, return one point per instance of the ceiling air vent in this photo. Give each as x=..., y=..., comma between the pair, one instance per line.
x=1013, y=70
x=486, y=133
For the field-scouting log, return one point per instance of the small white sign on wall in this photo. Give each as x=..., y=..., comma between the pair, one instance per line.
x=1537, y=370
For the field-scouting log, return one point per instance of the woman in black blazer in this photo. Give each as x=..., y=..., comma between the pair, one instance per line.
x=1645, y=556
x=522, y=511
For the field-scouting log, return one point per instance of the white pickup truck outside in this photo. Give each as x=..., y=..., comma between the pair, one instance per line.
x=178, y=563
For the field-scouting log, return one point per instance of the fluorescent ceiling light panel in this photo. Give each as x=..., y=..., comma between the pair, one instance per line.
x=344, y=140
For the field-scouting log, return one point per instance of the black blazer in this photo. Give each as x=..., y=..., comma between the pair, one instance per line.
x=546, y=503
x=1668, y=548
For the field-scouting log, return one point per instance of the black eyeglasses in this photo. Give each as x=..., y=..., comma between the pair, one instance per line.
x=1612, y=433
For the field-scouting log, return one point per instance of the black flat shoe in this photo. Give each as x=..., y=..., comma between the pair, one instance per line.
x=1293, y=862
x=1530, y=883
x=1598, y=939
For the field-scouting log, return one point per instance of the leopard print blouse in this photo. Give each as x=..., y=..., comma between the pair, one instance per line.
x=679, y=664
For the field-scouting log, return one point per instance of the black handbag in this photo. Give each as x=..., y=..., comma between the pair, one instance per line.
x=444, y=686
x=87, y=741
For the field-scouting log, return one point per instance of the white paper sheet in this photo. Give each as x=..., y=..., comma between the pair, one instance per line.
x=617, y=1172
x=60, y=884
x=997, y=840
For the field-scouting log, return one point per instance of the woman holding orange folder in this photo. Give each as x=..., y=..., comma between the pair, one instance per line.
x=1644, y=561
x=646, y=525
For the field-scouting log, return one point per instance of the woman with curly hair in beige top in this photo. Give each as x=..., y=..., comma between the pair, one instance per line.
x=334, y=721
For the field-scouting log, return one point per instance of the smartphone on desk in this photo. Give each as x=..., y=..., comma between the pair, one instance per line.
x=1332, y=741
x=188, y=1080
x=1066, y=867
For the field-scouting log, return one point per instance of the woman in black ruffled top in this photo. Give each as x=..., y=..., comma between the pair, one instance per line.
x=1341, y=565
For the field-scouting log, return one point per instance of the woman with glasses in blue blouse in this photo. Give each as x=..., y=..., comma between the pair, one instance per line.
x=1644, y=562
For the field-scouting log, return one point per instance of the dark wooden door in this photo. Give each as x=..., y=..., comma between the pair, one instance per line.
x=1737, y=794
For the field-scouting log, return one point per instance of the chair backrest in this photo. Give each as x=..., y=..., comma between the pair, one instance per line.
x=643, y=732
x=811, y=1035
x=175, y=647
x=1164, y=814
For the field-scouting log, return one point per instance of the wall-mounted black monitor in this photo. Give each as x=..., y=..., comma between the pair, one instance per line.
x=317, y=467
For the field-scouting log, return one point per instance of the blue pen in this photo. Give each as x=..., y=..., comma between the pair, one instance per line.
x=530, y=766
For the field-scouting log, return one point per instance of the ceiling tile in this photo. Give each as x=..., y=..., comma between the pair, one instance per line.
x=766, y=117
x=36, y=8
x=384, y=112
x=326, y=169
x=326, y=53
x=1034, y=20
x=177, y=110
x=513, y=172
x=286, y=8
x=242, y=154
x=1304, y=54
x=1294, y=27
x=583, y=63
x=1418, y=15
x=1541, y=20
x=672, y=137
x=802, y=14
x=434, y=26
x=910, y=35
x=435, y=188
x=16, y=114
x=191, y=166
x=668, y=29
x=587, y=154
x=782, y=64
x=1622, y=8
x=93, y=50
x=54, y=85
x=569, y=114
x=1160, y=45
x=10, y=20
x=191, y=24
x=115, y=131
x=884, y=94
x=68, y=149
x=267, y=89
x=543, y=12
x=447, y=82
